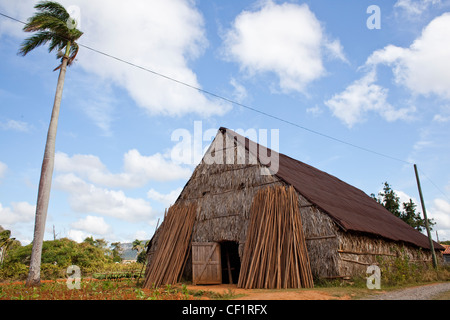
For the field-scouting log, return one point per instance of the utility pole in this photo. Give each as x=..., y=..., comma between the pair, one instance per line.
x=433, y=254
x=54, y=233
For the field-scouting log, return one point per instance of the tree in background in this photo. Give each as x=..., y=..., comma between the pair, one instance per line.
x=51, y=24
x=140, y=246
x=391, y=201
x=116, y=251
x=137, y=245
x=90, y=240
x=142, y=256
x=412, y=218
x=6, y=243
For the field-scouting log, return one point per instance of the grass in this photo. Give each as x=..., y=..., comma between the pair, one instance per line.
x=227, y=295
x=126, y=289
x=91, y=289
x=95, y=289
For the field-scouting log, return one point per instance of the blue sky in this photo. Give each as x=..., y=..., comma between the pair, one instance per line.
x=313, y=63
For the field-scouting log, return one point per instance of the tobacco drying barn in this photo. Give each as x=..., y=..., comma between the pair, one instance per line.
x=251, y=216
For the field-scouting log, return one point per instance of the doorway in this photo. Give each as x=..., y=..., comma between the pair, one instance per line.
x=230, y=261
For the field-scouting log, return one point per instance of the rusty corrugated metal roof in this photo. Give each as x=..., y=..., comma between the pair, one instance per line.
x=447, y=249
x=348, y=206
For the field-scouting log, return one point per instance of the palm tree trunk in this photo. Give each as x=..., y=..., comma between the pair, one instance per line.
x=45, y=182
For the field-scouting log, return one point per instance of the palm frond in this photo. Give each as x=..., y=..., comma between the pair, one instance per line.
x=46, y=21
x=35, y=41
x=54, y=8
x=50, y=25
x=75, y=34
x=57, y=43
x=73, y=53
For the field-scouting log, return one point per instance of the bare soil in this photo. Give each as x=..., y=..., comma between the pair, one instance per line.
x=424, y=292
x=269, y=294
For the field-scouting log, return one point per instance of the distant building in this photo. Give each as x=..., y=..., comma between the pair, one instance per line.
x=446, y=253
x=128, y=261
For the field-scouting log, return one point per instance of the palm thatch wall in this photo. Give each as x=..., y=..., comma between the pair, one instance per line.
x=358, y=251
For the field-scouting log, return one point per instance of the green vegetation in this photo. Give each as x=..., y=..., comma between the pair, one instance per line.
x=395, y=273
x=391, y=201
x=6, y=243
x=91, y=256
x=140, y=247
x=92, y=290
x=401, y=271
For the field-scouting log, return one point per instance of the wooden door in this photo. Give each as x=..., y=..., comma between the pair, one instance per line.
x=206, y=263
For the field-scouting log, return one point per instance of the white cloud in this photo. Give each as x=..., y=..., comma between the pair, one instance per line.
x=361, y=97
x=137, y=169
x=165, y=36
x=87, y=198
x=166, y=199
x=15, y=125
x=440, y=212
x=441, y=118
x=314, y=111
x=86, y=165
x=18, y=9
x=18, y=213
x=156, y=167
x=141, y=235
x=3, y=168
x=424, y=67
x=77, y=235
x=240, y=93
x=415, y=7
x=444, y=115
x=335, y=50
x=285, y=39
x=93, y=225
x=404, y=197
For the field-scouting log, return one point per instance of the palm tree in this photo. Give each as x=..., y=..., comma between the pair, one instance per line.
x=137, y=245
x=51, y=24
x=5, y=243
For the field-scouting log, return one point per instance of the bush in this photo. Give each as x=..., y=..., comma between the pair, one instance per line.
x=13, y=271
x=57, y=255
x=401, y=271
x=50, y=271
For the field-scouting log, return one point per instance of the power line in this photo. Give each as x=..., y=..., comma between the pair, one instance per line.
x=210, y=93
x=241, y=104
x=439, y=189
x=9, y=17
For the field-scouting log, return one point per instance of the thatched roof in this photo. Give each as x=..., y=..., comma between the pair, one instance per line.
x=348, y=206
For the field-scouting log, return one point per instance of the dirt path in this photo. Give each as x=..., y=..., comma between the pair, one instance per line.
x=426, y=292
x=267, y=294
